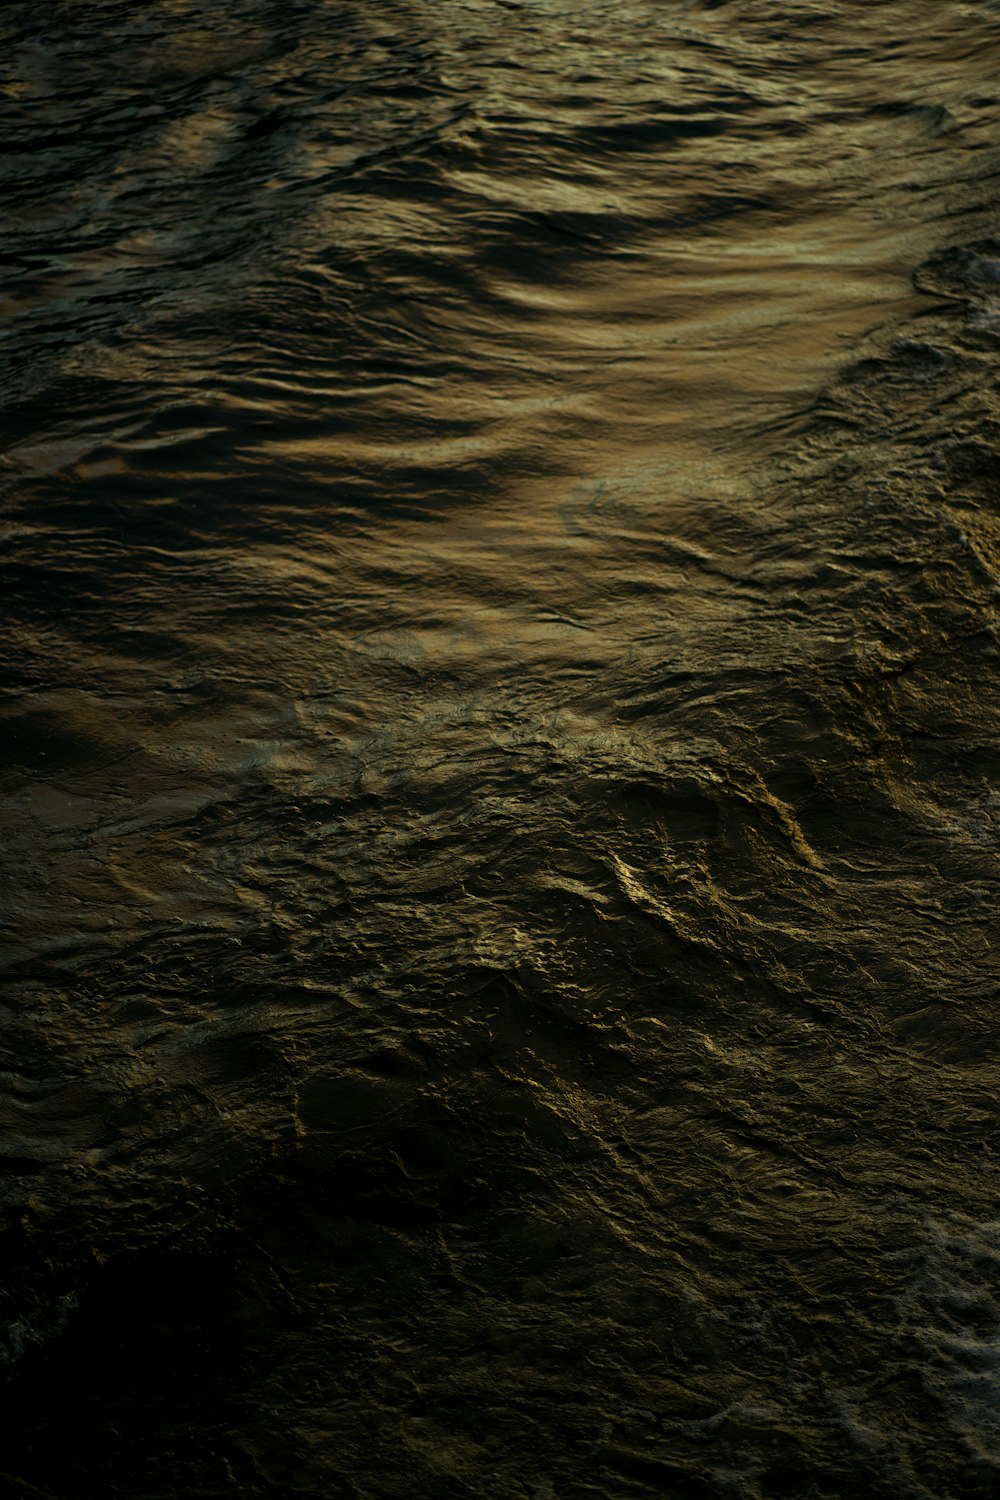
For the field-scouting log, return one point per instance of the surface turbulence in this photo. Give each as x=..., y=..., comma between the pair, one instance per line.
x=500, y=749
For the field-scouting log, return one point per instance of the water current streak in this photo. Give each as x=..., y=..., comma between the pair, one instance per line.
x=500, y=748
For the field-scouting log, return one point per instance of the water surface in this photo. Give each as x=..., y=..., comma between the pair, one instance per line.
x=500, y=748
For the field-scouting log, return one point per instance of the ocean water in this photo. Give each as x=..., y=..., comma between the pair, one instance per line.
x=500, y=749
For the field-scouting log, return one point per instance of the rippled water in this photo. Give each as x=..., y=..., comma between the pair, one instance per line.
x=500, y=749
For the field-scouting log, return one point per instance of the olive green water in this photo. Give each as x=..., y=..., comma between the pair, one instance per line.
x=500, y=750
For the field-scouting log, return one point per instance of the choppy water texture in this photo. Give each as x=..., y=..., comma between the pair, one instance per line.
x=500, y=749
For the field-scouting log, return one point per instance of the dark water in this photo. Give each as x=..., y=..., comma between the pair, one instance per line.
x=500, y=744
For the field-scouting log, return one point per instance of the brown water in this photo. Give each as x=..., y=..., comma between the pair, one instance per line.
x=500, y=749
